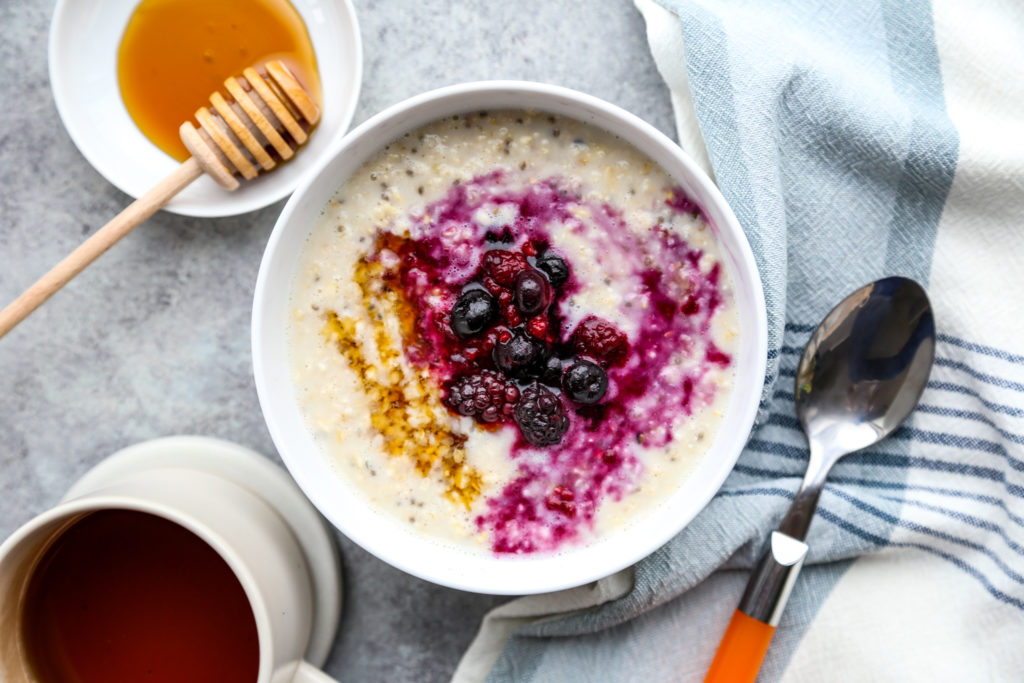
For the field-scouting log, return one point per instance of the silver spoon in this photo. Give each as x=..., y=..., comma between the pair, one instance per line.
x=860, y=376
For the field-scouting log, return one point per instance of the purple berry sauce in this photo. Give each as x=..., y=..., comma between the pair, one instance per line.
x=671, y=295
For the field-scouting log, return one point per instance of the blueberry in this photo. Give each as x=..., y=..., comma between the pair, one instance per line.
x=473, y=313
x=585, y=382
x=517, y=354
x=532, y=293
x=555, y=267
x=552, y=372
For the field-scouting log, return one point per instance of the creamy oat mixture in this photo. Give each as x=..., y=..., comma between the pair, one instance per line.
x=383, y=369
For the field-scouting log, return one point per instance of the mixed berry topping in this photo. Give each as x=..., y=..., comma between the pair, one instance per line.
x=510, y=307
x=497, y=323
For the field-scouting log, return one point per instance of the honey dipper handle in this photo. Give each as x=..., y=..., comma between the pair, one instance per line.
x=104, y=238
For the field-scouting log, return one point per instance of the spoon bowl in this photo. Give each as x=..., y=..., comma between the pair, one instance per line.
x=865, y=366
x=860, y=376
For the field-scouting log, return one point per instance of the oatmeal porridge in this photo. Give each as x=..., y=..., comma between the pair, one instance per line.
x=513, y=331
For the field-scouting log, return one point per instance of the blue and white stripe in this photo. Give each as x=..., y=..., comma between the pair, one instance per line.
x=959, y=493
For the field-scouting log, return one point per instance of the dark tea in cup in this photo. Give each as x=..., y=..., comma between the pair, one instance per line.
x=122, y=595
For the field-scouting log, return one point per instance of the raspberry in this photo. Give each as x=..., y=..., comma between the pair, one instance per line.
x=480, y=348
x=561, y=500
x=511, y=316
x=718, y=357
x=598, y=338
x=538, y=326
x=503, y=266
x=494, y=288
x=486, y=397
x=540, y=415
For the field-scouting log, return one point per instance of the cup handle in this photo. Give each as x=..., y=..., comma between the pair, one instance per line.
x=307, y=673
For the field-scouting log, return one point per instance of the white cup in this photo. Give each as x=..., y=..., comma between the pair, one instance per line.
x=239, y=503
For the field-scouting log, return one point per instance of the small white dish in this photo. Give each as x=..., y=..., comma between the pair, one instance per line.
x=384, y=535
x=84, y=37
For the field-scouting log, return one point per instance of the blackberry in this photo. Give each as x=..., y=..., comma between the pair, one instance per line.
x=555, y=267
x=585, y=382
x=540, y=415
x=473, y=313
x=517, y=354
x=532, y=293
x=486, y=397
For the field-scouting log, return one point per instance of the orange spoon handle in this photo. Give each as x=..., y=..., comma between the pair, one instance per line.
x=740, y=653
x=752, y=626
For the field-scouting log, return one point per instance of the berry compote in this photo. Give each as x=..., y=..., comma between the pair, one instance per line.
x=499, y=315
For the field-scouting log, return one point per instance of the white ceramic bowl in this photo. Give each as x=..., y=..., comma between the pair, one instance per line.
x=385, y=536
x=84, y=37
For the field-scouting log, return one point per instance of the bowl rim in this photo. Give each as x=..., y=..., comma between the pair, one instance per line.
x=73, y=116
x=534, y=574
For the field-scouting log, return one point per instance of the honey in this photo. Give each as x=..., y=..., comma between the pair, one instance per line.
x=404, y=403
x=175, y=53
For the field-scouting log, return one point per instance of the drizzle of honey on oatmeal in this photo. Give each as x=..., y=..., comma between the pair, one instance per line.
x=404, y=404
x=175, y=53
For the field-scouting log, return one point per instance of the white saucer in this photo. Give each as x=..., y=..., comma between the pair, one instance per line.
x=84, y=37
x=259, y=475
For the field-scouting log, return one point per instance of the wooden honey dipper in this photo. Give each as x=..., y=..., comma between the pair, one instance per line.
x=270, y=117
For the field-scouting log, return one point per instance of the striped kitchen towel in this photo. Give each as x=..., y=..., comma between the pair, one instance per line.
x=854, y=140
